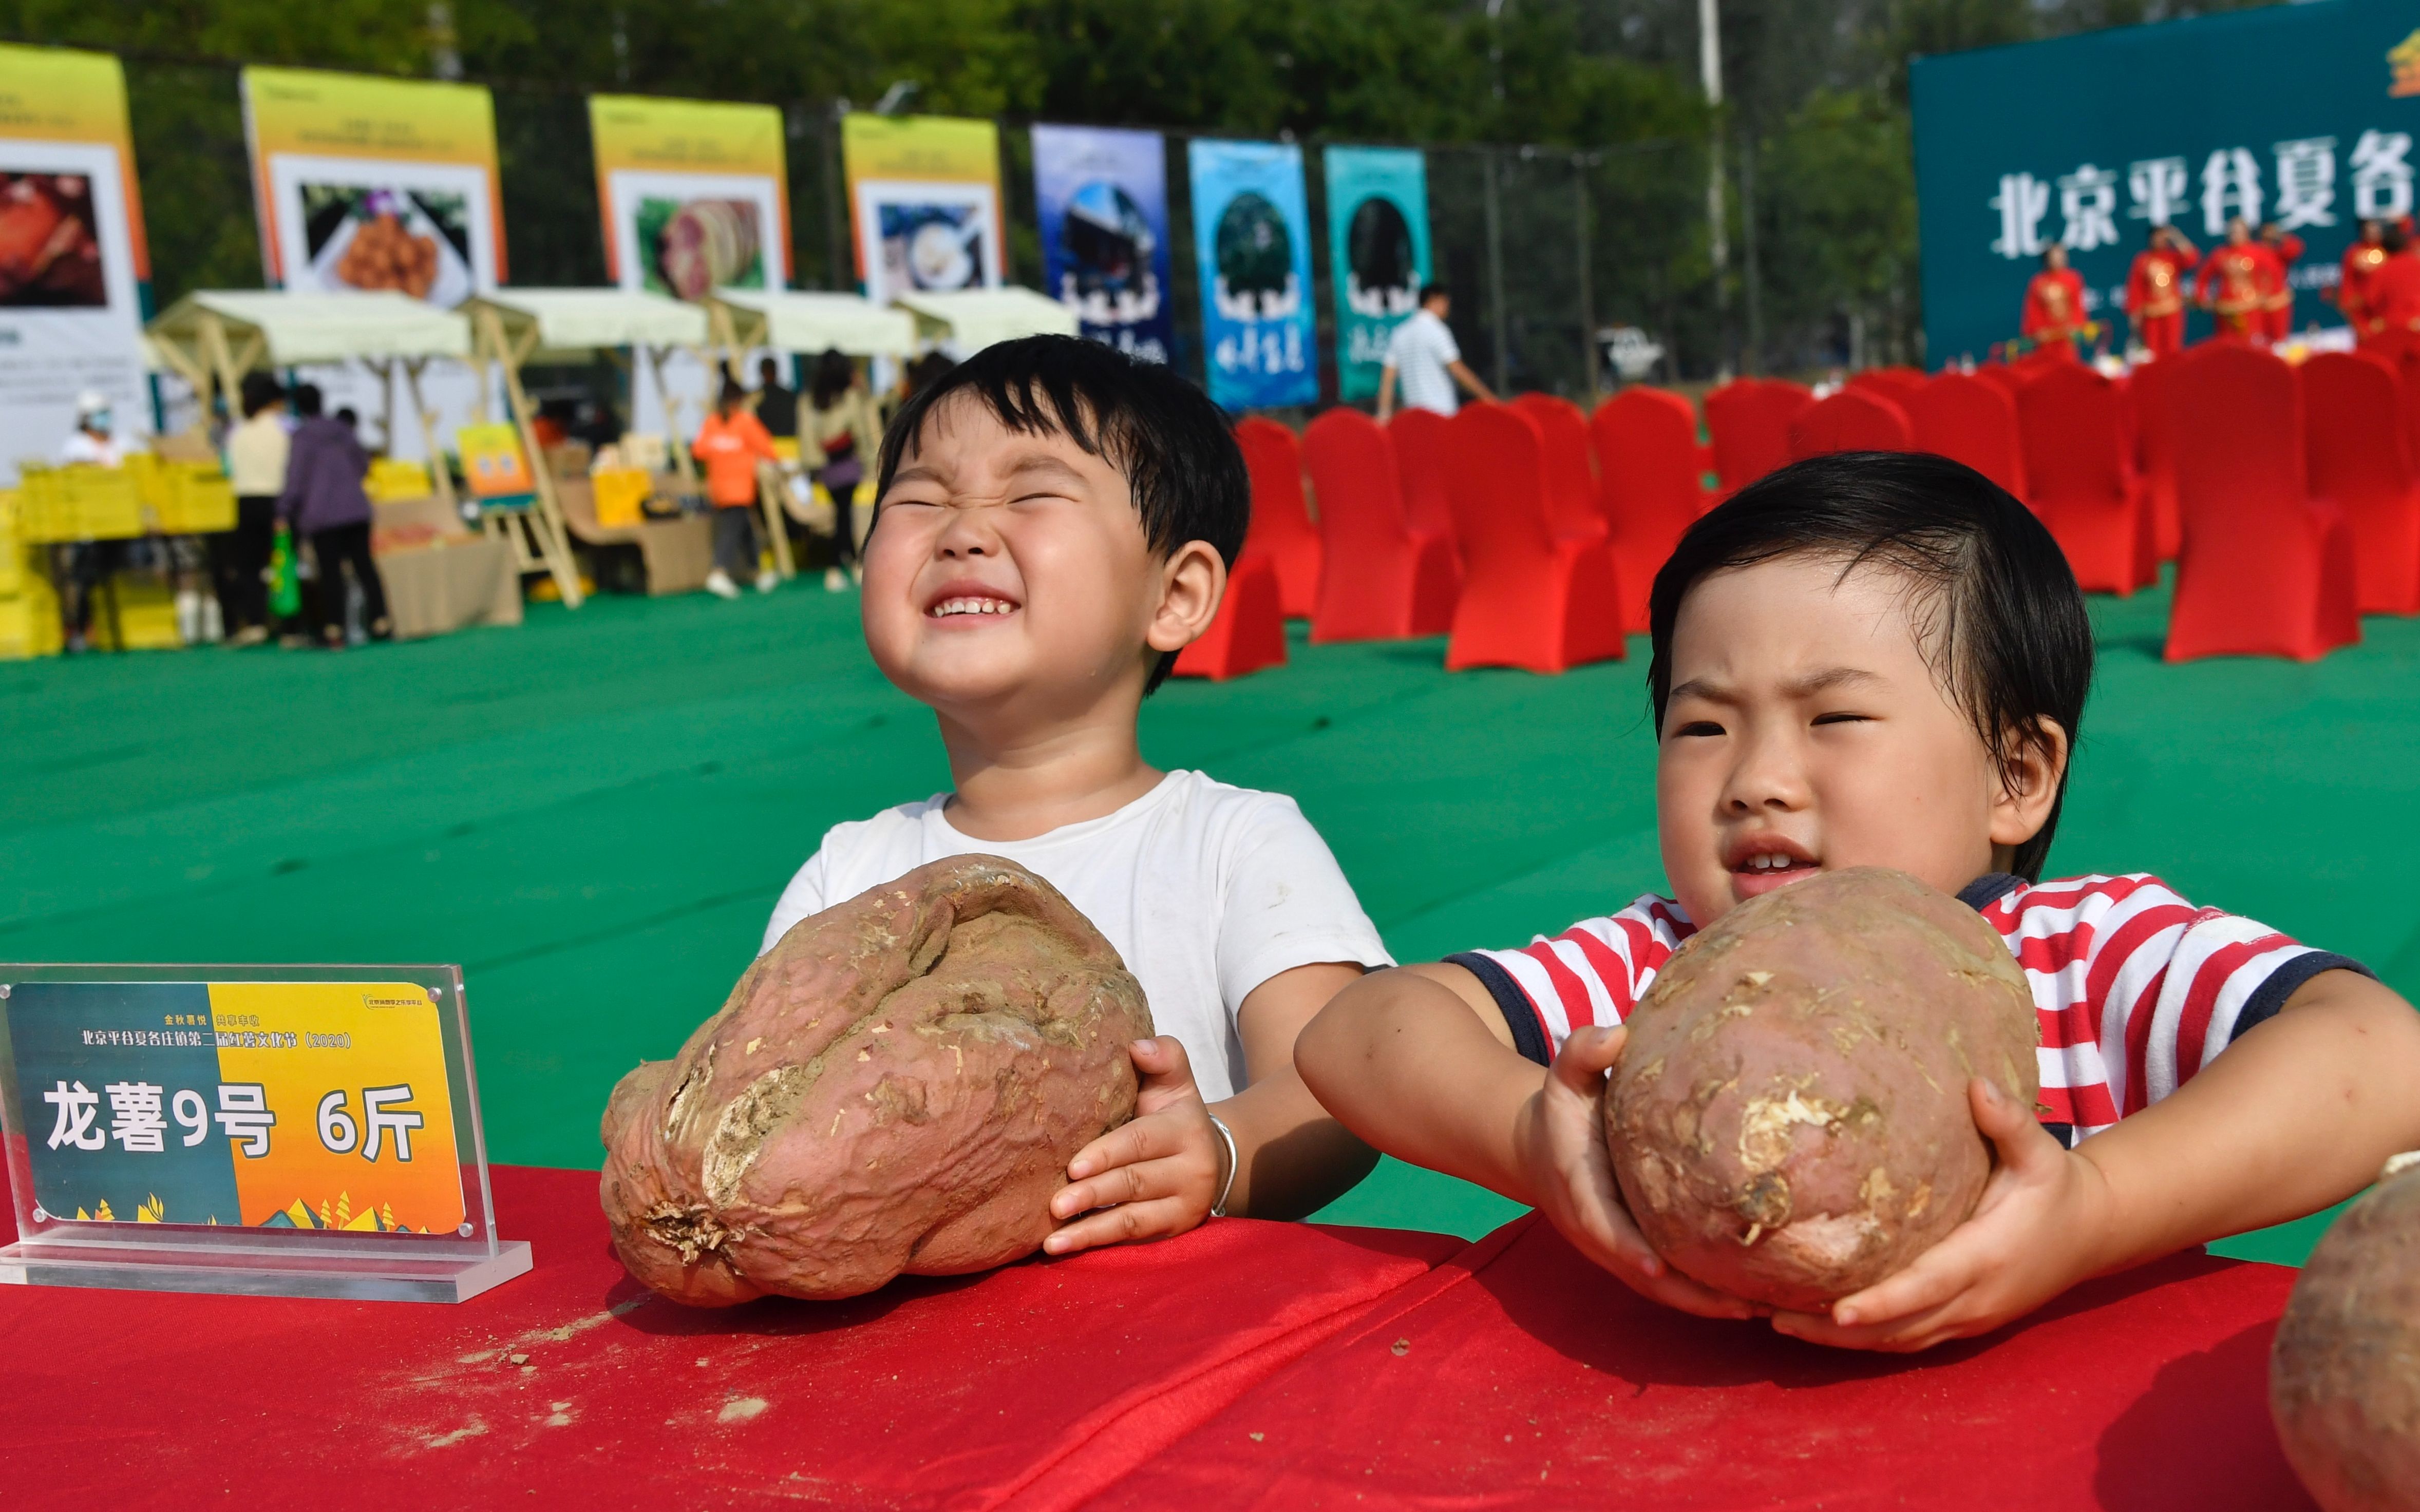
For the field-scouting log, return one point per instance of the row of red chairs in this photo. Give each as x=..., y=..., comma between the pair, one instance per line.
x=1528, y=531
x=2290, y=496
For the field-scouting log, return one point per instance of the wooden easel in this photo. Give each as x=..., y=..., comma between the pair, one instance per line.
x=538, y=536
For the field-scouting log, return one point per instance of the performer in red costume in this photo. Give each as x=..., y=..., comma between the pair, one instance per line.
x=2278, y=286
x=2054, y=313
x=2393, y=291
x=2361, y=260
x=2155, y=291
x=2230, y=285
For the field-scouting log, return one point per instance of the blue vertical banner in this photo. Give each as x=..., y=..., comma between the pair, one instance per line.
x=1377, y=253
x=1251, y=246
x=1102, y=200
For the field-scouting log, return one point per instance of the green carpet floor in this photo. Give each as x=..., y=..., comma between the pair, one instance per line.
x=594, y=813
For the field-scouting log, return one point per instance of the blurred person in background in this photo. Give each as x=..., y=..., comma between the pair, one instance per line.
x=2232, y=285
x=2279, y=250
x=730, y=444
x=842, y=424
x=2155, y=291
x=323, y=500
x=1424, y=361
x=81, y=565
x=255, y=459
x=2392, y=295
x=777, y=408
x=2053, y=313
x=2361, y=260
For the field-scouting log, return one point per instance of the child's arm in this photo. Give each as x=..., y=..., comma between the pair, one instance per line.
x=1420, y=1062
x=2298, y=1114
x=1159, y=1174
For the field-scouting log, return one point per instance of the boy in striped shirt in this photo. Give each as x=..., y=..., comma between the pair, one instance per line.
x=1872, y=660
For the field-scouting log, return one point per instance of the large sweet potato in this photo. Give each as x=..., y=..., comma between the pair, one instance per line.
x=897, y=1086
x=2344, y=1376
x=1789, y=1119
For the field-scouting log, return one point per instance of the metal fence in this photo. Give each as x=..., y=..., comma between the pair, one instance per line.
x=1546, y=248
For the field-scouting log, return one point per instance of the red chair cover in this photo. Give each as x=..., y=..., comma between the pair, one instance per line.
x=1529, y=597
x=1970, y=419
x=1571, y=480
x=1378, y=577
x=1749, y=421
x=1248, y=631
x=1893, y=383
x=2002, y=376
x=1282, y=527
x=2080, y=465
x=1650, y=481
x=1852, y=420
x=2150, y=392
x=2267, y=570
x=2361, y=460
x=1421, y=441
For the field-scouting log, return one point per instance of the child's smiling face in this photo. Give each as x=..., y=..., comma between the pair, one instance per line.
x=1807, y=731
x=1012, y=570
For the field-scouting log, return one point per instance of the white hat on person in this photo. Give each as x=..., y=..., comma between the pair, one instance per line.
x=91, y=402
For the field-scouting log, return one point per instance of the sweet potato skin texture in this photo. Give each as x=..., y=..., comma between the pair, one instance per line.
x=1789, y=1119
x=2344, y=1375
x=896, y=1087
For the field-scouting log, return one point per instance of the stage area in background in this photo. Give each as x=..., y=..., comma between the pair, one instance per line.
x=594, y=813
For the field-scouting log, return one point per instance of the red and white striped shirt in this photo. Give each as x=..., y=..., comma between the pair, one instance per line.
x=2137, y=988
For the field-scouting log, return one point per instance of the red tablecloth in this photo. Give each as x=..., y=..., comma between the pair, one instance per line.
x=1246, y=1363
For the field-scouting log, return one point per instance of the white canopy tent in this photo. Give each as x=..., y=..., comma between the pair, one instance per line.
x=516, y=327
x=971, y=319
x=789, y=320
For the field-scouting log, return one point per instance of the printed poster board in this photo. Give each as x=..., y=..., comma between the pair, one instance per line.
x=73, y=268
x=924, y=197
x=1251, y=243
x=364, y=184
x=695, y=197
x=1377, y=254
x=2304, y=115
x=1102, y=198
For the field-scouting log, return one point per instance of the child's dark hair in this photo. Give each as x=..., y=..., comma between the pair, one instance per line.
x=1175, y=448
x=2001, y=618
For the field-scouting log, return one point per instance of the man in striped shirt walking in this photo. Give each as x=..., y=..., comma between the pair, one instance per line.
x=1882, y=660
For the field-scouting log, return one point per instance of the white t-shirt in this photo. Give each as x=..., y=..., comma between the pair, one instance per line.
x=84, y=446
x=1418, y=352
x=1206, y=890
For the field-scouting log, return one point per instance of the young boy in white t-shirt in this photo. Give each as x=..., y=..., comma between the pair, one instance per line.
x=1054, y=522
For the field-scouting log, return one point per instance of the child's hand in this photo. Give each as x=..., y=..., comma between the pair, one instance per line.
x=1154, y=1176
x=2034, y=1234
x=1562, y=1143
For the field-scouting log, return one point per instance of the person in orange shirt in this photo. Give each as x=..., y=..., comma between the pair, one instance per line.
x=2361, y=260
x=2053, y=313
x=2230, y=285
x=2277, y=281
x=2155, y=291
x=729, y=445
x=2392, y=293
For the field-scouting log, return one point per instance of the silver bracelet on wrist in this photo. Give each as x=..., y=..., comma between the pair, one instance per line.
x=1218, y=1209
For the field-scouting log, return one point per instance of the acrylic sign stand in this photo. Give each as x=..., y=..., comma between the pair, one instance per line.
x=264, y=1131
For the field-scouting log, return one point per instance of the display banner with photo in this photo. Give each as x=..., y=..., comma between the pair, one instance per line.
x=365, y=184
x=924, y=196
x=695, y=197
x=72, y=263
x=1377, y=253
x=2303, y=114
x=372, y=184
x=1251, y=245
x=1102, y=198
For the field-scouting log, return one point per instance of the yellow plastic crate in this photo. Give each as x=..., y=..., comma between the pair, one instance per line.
x=103, y=504
x=199, y=498
x=147, y=615
x=392, y=479
x=43, y=504
x=621, y=494
x=29, y=622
